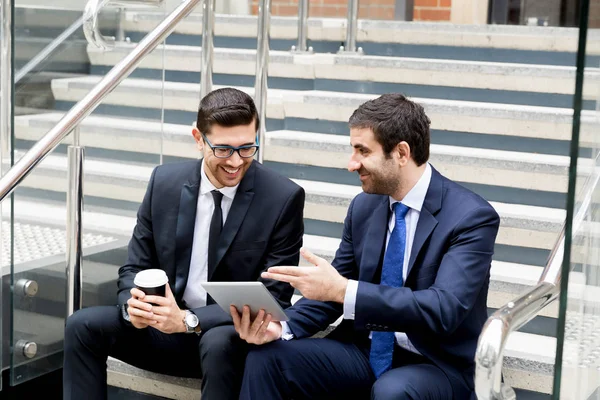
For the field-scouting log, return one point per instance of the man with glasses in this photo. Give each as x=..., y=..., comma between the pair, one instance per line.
x=223, y=218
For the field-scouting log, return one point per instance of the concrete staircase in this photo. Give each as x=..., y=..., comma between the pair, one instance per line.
x=499, y=99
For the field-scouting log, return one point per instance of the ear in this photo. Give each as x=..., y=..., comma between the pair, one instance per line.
x=198, y=138
x=402, y=153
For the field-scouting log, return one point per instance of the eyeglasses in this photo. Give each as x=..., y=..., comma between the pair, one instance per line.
x=246, y=151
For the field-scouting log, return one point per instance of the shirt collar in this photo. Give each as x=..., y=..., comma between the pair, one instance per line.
x=206, y=186
x=415, y=198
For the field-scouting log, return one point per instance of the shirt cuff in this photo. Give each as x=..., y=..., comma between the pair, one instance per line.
x=286, y=332
x=350, y=299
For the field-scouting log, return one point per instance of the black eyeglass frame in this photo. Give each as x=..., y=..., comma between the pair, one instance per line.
x=231, y=148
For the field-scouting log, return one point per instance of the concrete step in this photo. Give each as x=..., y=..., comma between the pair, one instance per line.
x=379, y=69
x=549, y=39
x=525, y=226
x=333, y=107
x=520, y=170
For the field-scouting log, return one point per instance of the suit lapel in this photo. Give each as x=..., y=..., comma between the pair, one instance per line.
x=427, y=221
x=184, y=236
x=237, y=213
x=375, y=241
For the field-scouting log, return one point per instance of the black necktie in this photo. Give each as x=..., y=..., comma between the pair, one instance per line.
x=216, y=225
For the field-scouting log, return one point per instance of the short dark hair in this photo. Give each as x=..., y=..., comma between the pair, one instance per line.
x=393, y=119
x=226, y=107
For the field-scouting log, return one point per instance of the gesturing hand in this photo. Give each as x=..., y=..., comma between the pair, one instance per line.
x=321, y=282
x=167, y=316
x=260, y=331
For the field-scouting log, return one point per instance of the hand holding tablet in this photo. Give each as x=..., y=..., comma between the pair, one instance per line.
x=253, y=294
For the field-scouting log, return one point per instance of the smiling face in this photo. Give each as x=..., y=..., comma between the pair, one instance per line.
x=226, y=171
x=378, y=174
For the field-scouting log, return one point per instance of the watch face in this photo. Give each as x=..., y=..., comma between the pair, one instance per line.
x=191, y=320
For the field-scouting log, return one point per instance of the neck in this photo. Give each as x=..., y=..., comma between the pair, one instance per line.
x=412, y=175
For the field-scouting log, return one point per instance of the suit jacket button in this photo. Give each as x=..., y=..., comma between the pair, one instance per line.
x=386, y=328
x=368, y=326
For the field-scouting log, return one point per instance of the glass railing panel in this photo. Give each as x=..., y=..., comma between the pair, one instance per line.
x=37, y=245
x=6, y=72
x=122, y=141
x=578, y=375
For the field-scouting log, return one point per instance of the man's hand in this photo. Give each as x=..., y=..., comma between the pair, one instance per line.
x=260, y=331
x=321, y=282
x=140, y=312
x=168, y=317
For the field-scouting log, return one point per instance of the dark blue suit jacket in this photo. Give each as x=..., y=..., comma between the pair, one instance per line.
x=264, y=228
x=442, y=307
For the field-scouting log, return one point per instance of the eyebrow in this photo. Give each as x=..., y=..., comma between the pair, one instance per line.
x=359, y=146
x=228, y=145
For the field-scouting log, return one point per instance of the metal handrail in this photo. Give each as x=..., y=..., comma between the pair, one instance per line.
x=85, y=107
x=351, y=30
x=492, y=341
x=91, y=28
x=262, y=64
x=208, y=28
x=301, y=46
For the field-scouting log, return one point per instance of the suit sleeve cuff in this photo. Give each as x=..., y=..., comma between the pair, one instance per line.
x=286, y=332
x=350, y=299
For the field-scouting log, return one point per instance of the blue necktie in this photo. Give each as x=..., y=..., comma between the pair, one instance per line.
x=382, y=343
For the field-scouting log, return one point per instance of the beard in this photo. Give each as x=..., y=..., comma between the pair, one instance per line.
x=379, y=182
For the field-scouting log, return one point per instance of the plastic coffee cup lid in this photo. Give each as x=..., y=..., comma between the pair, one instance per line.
x=151, y=278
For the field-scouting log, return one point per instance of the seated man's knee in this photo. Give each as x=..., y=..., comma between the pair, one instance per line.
x=83, y=326
x=263, y=357
x=77, y=323
x=389, y=388
x=220, y=341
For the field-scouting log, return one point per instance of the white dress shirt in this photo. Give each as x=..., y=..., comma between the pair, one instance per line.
x=194, y=294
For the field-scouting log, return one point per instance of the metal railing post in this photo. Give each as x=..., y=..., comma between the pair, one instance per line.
x=262, y=64
x=351, y=29
x=208, y=26
x=301, y=46
x=76, y=156
x=6, y=83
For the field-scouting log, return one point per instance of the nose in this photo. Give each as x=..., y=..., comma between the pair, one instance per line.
x=235, y=160
x=353, y=165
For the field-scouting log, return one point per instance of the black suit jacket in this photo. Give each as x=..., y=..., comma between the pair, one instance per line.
x=443, y=304
x=264, y=228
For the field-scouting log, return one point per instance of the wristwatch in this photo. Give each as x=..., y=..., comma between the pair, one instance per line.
x=124, y=313
x=191, y=322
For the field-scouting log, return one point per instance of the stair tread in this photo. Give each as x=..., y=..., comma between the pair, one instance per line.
x=277, y=96
x=116, y=126
x=114, y=169
x=443, y=65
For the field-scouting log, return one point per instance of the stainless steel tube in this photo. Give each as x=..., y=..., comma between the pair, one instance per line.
x=302, y=25
x=208, y=28
x=6, y=80
x=74, y=254
x=262, y=64
x=352, y=26
x=82, y=109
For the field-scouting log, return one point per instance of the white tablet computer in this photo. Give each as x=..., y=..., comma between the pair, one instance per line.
x=253, y=294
